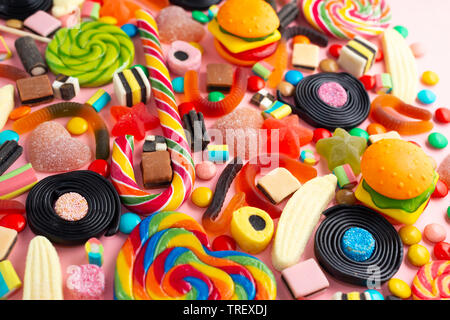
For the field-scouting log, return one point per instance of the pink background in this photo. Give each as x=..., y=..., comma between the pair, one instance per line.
x=427, y=22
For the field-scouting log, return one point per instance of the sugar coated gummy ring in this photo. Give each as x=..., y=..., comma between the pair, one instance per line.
x=168, y=256
x=69, y=109
x=385, y=259
x=92, y=52
x=346, y=19
x=122, y=174
x=319, y=114
x=102, y=216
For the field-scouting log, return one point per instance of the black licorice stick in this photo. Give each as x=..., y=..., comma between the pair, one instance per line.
x=10, y=151
x=194, y=123
x=223, y=184
x=317, y=113
x=287, y=14
x=30, y=56
x=103, y=201
x=384, y=261
x=314, y=36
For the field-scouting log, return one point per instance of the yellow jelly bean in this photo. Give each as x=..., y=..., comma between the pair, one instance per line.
x=108, y=20
x=399, y=288
x=410, y=235
x=430, y=78
x=418, y=255
x=197, y=45
x=202, y=197
x=77, y=126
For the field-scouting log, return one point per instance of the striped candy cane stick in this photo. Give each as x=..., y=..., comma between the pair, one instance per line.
x=122, y=173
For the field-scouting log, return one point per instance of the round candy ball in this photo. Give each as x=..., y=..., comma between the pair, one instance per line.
x=442, y=251
x=286, y=89
x=399, y=288
x=345, y=196
x=77, y=126
x=434, y=232
x=418, y=255
x=335, y=50
x=178, y=84
x=7, y=135
x=328, y=65
x=255, y=83
x=14, y=221
x=301, y=39
x=442, y=115
x=402, y=30
x=441, y=190
x=418, y=49
x=128, y=221
x=426, y=96
x=130, y=29
x=380, y=55
x=437, y=140
x=293, y=77
x=374, y=294
x=358, y=132
x=202, y=197
x=321, y=133
x=198, y=46
x=100, y=166
x=368, y=81
x=430, y=78
x=375, y=128
x=410, y=235
x=215, y=96
x=200, y=16
x=205, y=170
x=224, y=243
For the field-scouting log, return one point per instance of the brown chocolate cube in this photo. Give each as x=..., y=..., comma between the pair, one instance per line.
x=35, y=90
x=156, y=169
x=219, y=77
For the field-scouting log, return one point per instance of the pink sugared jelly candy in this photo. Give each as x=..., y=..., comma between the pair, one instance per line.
x=50, y=148
x=85, y=282
x=176, y=24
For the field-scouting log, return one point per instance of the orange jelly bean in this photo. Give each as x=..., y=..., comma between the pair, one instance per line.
x=380, y=113
x=375, y=128
x=19, y=112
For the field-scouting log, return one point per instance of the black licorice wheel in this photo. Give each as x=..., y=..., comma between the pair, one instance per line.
x=311, y=108
x=22, y=9
x=385, y=259
x=103, y=214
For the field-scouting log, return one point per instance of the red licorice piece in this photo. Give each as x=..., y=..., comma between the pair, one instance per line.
x=441, y=190
x=442, y=251
x=335, y=50
x=224, y=243
x=13, y=221
x=321, y=133
x=368, y=82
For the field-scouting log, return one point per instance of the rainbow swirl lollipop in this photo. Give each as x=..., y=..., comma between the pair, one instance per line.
x=168, y=257
x=346, y=19
x=92, y=52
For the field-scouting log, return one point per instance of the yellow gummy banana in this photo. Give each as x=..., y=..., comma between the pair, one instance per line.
x=299, y=218
x=43, y=279
x=401, y=64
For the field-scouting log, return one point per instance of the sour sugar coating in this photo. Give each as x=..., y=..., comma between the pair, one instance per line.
x=69, y=109
x=122, y=173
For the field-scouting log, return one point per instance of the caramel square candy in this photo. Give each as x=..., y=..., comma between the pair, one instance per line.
x=219, y=77
x=35, y=90
x=305, y=56
x=278, y=184
x=156, y=169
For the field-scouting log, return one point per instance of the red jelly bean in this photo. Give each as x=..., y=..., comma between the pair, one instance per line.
x=14, y=221
x=380, y=55
x=185, y=107
x=335, y=50
x=368, y=82
x=442, y=251
x=321, y=133
x=224, y=243
x=255, y=83
x=441, y=190
x=442, y=115
x=100, y=166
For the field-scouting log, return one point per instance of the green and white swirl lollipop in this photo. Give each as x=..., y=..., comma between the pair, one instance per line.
x=91, y=52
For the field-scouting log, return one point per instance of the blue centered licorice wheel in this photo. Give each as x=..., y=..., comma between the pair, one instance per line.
x=385, y=259
x=317, y=113
x=103, y=213
x=314, y=36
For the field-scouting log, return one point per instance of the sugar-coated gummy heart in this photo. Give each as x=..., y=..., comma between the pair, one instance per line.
x=50, y=148
x=176, y=24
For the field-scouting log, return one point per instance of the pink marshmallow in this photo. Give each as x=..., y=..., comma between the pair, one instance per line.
x=86, y=282
x=183, y=57
x=304, y=279
x=42, y=23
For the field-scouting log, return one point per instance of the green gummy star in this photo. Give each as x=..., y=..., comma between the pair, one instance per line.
x=342, y=148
